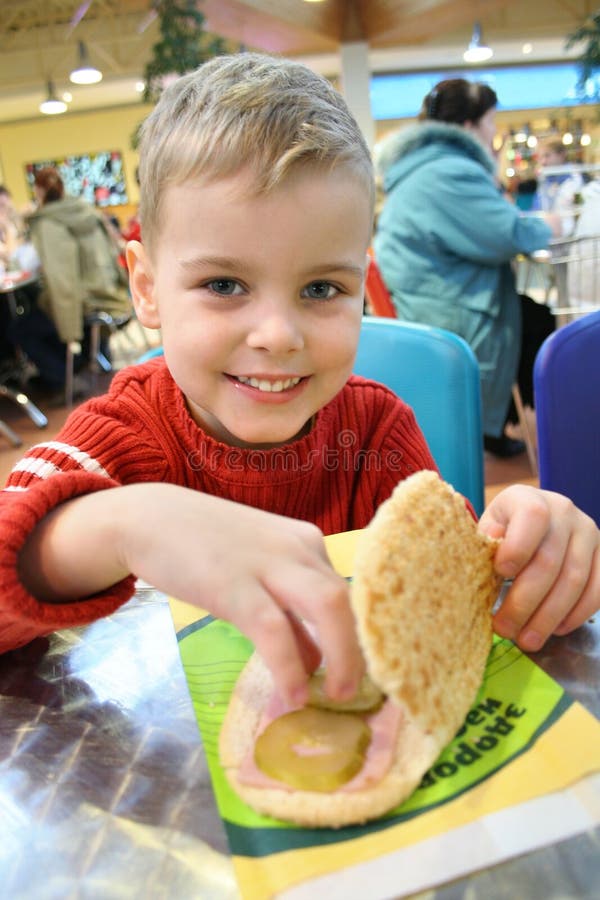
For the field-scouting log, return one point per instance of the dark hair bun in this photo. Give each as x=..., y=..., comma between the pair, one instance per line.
x=457, y=101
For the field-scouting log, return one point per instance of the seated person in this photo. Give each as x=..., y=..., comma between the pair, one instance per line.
x=446, y=237
x=80, y=274
x=9, y=229
x=16, y=253
x=7, y=241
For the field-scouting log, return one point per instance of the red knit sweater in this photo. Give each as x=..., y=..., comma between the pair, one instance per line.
x=362, y=443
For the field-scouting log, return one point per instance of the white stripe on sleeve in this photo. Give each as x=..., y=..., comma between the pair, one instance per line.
x=87, y=462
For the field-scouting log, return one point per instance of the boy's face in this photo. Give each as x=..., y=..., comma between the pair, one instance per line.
x=548, y=156
x=259, y=298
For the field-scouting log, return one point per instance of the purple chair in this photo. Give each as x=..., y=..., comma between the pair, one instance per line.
x=566, y=381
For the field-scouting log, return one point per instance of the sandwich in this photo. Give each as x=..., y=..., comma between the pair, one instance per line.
x=422, y=595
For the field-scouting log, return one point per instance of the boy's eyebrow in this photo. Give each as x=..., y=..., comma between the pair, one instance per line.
x=232, y=262
x=337, y=266
x=196, y=262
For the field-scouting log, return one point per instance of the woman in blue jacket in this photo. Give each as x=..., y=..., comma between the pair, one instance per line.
x=446, y=236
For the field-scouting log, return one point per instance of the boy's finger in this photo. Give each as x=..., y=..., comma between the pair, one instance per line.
x=523, y=521
x=532, y=587
x=274, y=638
x=587, y=603
x=564, y=596
x=308, y=648
x=322, y=598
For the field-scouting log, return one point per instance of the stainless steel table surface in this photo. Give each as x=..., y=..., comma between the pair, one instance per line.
x=104, y=789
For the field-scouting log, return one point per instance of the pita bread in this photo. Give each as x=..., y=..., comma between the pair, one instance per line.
x=423, y=591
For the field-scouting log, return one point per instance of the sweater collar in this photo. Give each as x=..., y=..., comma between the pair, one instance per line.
x=428, y=134
x=284, y=463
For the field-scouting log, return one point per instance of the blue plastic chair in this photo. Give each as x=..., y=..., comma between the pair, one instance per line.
x=566, y=379
x=437, y=374
x=150, y=354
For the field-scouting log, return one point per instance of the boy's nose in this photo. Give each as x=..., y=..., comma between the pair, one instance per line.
x=277, y=332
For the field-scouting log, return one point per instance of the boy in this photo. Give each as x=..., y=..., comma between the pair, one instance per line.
x=196, y=470
x=556, y=192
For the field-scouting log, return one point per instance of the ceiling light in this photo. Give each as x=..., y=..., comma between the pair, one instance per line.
x=567, y=138
x=52, y=106
x=478, y=50
x=585, y=140
x=527, y=48
x=85, y=72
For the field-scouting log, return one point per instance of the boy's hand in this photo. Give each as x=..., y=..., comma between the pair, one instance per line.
x=552, y=551
x=262, y=572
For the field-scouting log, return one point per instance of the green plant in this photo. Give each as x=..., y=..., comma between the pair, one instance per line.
x=183, y=44
x=589, y=35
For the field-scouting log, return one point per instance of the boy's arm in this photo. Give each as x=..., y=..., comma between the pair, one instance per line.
x=22, y=616
x=260, y=571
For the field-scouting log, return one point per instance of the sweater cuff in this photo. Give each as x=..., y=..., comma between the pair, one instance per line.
x=22, y=616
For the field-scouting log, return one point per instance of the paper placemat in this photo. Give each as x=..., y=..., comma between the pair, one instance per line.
x=523, y=739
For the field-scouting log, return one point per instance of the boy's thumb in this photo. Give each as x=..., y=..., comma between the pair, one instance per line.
x=490, y=526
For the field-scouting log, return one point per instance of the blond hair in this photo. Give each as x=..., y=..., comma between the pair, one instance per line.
x=247, y=109
x=553, y=145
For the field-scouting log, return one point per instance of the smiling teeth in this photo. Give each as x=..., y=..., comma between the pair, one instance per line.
x=272, y=386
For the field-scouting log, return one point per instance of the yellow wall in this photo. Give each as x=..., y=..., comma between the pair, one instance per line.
x=48, y=137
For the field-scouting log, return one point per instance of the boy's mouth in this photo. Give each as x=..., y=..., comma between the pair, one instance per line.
x=272, y=386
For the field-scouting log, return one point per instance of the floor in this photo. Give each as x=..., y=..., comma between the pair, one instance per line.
x=498, y=472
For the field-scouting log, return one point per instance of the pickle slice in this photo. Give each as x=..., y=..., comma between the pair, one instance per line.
x=368, y=696
x=313, y=749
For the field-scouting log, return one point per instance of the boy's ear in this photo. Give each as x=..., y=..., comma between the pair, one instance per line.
x=141, y=285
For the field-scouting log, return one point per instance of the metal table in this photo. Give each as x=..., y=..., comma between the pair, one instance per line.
x=104, y=790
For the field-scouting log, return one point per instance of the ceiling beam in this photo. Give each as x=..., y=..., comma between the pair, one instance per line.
x=276, y=26
x=421, y=21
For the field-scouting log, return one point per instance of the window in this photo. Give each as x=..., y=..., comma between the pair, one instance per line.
x=399, y=95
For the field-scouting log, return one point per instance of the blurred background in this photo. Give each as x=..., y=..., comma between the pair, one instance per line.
x=383, y=54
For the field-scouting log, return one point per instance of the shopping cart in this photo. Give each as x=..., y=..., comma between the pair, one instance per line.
x=566, y=277
x=575, y=266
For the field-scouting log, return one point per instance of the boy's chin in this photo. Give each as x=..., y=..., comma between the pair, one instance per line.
x=253, y=438
x=268, y=441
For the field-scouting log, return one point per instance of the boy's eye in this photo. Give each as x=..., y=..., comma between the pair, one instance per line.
x=320, y=290
x=227, y=287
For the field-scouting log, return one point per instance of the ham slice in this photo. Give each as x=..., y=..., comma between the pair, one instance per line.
x=384, y=724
